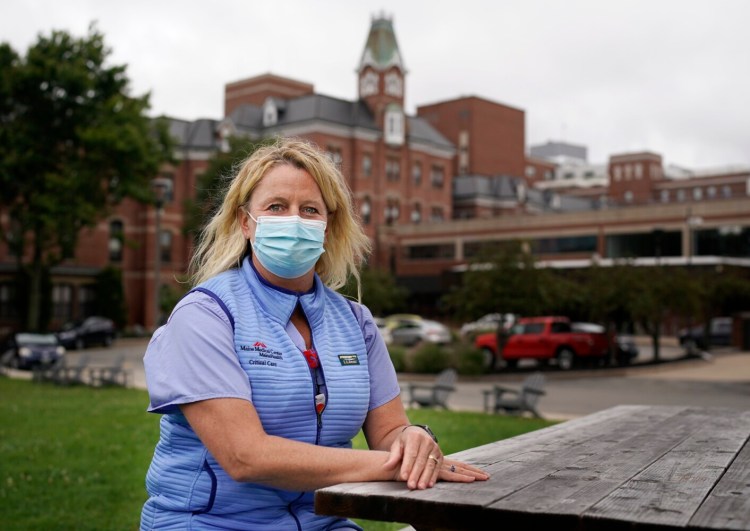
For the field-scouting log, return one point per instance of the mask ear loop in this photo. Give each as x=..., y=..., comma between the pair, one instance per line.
x=248, y=244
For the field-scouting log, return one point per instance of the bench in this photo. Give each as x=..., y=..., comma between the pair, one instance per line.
x=434, y=394
x=115, y=374
x=516, y=401
x=45, y=373
x=67, y=374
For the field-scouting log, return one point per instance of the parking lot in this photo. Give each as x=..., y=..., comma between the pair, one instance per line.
x=721, y=379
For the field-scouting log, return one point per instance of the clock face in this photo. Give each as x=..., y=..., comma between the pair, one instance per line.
x=394, y=86
x=368, y=84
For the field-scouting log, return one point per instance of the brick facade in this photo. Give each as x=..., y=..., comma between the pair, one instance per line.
x=489, y=136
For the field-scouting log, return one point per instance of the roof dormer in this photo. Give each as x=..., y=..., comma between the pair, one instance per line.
x=272, y=110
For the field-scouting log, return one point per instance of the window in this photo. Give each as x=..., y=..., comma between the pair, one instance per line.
x=334, y=153
x=437, y=215
x=365, y=211
x=560, y=328
x=62, y=302
x=681, y=195
x=8, y=300
x=169, y=189
x=726, y=191
x=697, y=193
x=530, y=171
x=368, y=84
x=270, y=113
x=394, y=125
x=711, y=192
x=393, y=84
x=416, y=173
x=628, y=172
x=638, y=170
x=445, y=251
x=391, y=212
x=366, y=165
x=437, y=177
x=628, y=196
x=116, y=237
x=664, y=195
x=565, y=244
x=393, y=170
x=617, y=172
x=86, y=300
x=416, y=214
x=165, y=245
x=568, y=175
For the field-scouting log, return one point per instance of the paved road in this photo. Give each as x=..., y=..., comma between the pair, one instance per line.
x=722, y=379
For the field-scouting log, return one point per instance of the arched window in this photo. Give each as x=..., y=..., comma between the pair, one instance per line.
x=391, y=212
x=416, y=214
x=365, y=211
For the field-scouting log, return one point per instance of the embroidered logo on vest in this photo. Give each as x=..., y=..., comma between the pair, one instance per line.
x=348, y=359
x=262, y=350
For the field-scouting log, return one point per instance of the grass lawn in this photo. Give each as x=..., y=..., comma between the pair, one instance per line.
x=75, y=458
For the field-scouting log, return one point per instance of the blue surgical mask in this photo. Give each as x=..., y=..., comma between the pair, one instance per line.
x=288, y=246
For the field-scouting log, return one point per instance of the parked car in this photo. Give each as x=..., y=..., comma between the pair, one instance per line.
x=385, y=332
x=719, y=334
x=89, y=331
x=486, y=323
x=547, y=339
x=623, y=347
x=26, y=350
x=410, y=330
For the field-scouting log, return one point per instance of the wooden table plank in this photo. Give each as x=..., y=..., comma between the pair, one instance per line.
x=579, y=485
x=728, y=505
x=671, y=490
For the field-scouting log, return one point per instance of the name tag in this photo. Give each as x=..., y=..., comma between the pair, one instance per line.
x=348, y=359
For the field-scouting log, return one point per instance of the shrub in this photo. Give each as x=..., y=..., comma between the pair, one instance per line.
x=430, y=358
x=468, y=359
x=398, y=357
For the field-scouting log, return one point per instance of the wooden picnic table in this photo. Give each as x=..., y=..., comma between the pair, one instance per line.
x=627, y=467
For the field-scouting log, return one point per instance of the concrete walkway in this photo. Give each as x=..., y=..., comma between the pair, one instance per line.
x=719, y=380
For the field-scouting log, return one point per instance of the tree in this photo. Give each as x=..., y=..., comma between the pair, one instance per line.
x=110, y=296
x=213, y=182
x=380, y=292
x=504, y=279
x=73, y=143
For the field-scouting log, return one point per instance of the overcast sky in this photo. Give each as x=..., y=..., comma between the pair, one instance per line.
x=668, y=76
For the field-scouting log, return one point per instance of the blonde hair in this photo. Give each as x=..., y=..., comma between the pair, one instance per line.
x=222, y=244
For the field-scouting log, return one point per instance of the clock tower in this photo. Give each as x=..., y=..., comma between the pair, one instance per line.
x=381, y=76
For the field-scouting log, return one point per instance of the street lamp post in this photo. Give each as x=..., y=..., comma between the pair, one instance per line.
x=161, y=186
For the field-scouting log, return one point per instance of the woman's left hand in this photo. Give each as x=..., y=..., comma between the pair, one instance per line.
x=461, y=472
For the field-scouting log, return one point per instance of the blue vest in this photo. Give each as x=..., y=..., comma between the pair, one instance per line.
x=188, y=489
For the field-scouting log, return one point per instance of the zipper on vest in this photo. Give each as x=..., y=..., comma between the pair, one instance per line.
x=319, y=387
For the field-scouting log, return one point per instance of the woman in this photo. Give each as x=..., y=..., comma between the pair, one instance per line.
x=264, y=374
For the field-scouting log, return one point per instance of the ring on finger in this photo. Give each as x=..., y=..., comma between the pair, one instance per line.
x=433, y=458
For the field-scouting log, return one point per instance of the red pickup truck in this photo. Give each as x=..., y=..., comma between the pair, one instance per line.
x=547, y=339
